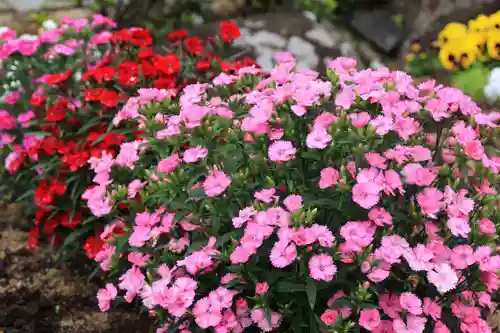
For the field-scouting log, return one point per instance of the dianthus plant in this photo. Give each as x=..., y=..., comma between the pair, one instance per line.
x=284, y=202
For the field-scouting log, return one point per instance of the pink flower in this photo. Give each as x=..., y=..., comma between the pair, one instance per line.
x=293, y=203
x=487, y=227
x=359, y=120
x=132, y=281
x=418, y=175
x=369, y=319
x=206, y=313
x=345, y=98
x=376, y=160
x=430, y=201
x=134, y=187
x=138, y=259
x=459, y=226
x=128, y=154
x=432, y=308
x=411, y=303
x=443, y=277
x=474, y=149
x=216, y=183
x=389, y=303
x=419, y=258
x=318, y=139
x=366, y=195
x=328, y=178
x=222, y=297
x=462, y=256
x=169, y=164
x=321, y=267
x=266, y=195
x=105, y=296
x=414, y=324
x=261, y=288
x=193, y=155
x=329, y=317
x=324, y=120
x=281, y=151
x=439, y=327
x=24, y=118
x=260, y=318
x=283, y=254
x=380, y=216
x=7, y=122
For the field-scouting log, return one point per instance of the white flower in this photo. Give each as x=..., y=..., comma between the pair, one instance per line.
x=28, y=37
x=49, y=25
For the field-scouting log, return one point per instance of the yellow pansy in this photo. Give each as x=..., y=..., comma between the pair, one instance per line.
x=495, y=20
x=458, y=54
x=451, y=31
x=481, y=24
x=494, y=44
x=479, y=40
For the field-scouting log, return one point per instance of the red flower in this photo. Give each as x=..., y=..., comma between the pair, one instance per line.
x=50, y=225
x=55, y=113
x=104, y=74
x=229, y=31
x=37, y=100
x=92, y=246
x=58, y=77
x=202, y=65
x=166, y=82
x=92, y=95
x=74, y=222
x=226, y=66
x=194, y=45
x=16, y=163
x=145, y=53
x=169, y=64
x=51, y=145
x=76, y=161
x=148, y=69
x=33, y=235
x=109, y=98
x=177, y=35
x=141, y=37
x=121, y=36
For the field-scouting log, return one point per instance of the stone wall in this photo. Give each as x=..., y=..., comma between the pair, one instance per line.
x=13, y=13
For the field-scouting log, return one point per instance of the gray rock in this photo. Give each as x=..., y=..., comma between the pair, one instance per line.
x=378, y=27
x=311, y=42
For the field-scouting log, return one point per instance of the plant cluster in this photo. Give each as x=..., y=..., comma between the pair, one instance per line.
x=62, y=91
x=284, y=202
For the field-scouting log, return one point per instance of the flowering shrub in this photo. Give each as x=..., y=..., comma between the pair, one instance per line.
x=73, y=102
x=284, y=202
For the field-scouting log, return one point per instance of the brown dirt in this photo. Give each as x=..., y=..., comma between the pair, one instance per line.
x=35, y=297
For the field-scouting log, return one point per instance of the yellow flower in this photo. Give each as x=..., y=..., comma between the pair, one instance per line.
x=410, y=57
x=495, y=20
x=415, y=47
x=494, y=44
x=479, y=40
x=458, y=54
x=481, y=24
x=451, y=31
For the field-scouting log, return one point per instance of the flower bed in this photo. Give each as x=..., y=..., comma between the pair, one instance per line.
x=284, y=202
x=84, y=74
x=261, y=201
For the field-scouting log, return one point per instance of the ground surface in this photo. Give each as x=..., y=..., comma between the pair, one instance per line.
x=37, y=298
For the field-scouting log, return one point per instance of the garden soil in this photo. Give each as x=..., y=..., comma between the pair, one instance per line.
x=35, y=297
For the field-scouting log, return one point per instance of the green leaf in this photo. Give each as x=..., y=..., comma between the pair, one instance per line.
x=472, y=82
x=76, y=234
x=38, y=133
x=311, y=292
x=289, y=287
